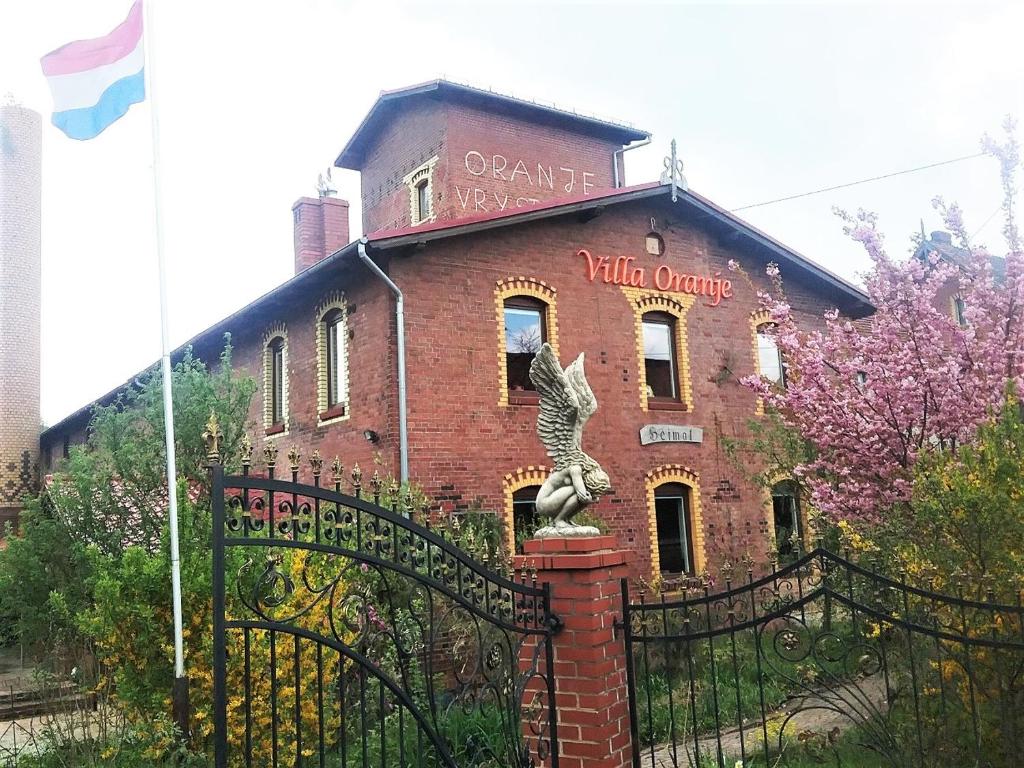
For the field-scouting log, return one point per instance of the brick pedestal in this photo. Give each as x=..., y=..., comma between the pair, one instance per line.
x=589, y=660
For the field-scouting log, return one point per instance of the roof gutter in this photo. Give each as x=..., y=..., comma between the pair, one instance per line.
x=618, y=154
x=403, y=426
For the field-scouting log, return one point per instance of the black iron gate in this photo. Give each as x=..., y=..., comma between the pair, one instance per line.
x=823, y=662
x=347, y=634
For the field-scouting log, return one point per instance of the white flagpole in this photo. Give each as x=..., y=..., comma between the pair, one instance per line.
x=180, y=686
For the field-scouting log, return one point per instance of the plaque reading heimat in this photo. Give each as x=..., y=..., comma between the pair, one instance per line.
x=670, y=433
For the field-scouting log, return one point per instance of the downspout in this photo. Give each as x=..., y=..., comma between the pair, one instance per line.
x=403, y=427
x=618, y=153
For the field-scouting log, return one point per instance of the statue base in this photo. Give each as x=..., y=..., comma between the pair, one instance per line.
x=565, y=531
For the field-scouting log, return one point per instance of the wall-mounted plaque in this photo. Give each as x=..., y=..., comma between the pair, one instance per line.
x=670, y=433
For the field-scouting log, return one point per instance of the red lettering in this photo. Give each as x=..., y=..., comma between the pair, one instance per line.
x=592, y=268
x=663, y=280
x=621, y=271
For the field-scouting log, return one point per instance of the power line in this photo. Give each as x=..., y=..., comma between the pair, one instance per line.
x=855, y=183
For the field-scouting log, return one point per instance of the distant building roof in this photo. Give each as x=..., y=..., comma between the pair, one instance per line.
x=941, y=243
x=388, y=102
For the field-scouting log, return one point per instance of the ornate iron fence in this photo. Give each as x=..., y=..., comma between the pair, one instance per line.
x=16, y=740
x=823, y=662
x=346, y=634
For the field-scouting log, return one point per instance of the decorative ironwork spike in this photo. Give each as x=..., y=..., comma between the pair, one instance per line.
x=393, y=491
x=407, y=499
x=337, y=469
x=727, y=570
x=270, y=454
x=212, y=437
x=293, y=458
x=748, y=562
x=376, y=483
x=455, y=521
x=316, y=461
x=245, y=450
x=357, y=477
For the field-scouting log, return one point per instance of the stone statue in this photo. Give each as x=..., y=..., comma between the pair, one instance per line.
x=566, y=402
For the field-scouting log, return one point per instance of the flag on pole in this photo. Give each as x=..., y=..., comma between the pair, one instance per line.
x=94, y=82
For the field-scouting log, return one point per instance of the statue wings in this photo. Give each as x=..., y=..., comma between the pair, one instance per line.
x=566, y=402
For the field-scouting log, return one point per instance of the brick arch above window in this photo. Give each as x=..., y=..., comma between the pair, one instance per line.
x=758, y=318
x=521, y=478
x=528, y=287
x=675, y=473
x=333, y=301
x=423, y=175
x=278, y=331
x=677, y=305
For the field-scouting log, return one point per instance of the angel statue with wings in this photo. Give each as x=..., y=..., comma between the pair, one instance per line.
x=566, y=402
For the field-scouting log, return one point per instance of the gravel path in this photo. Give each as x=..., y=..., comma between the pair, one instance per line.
x=825, y=712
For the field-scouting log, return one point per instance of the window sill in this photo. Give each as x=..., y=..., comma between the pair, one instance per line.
x=275, y=429
x=523, y=398
x=334, y=412
x=664, y=404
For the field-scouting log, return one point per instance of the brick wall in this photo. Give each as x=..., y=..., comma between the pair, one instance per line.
x=463, y=443
x=486, y=162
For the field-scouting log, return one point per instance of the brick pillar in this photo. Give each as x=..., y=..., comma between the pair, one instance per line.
x=589, y=660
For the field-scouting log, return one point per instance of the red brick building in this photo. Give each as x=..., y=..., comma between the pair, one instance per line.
x=503, y=224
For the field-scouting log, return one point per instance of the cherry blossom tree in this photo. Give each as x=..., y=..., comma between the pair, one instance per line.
x=873, y=396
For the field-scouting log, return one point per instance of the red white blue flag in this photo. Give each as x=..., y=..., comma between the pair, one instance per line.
x=94, y=82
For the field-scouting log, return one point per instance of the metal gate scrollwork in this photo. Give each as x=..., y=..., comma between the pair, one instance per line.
x=346, y=633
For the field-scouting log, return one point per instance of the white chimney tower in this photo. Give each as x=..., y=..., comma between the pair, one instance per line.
x=20, y=294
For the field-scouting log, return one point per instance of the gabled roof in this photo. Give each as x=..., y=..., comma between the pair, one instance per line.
x=847, y=297
x=353, y=155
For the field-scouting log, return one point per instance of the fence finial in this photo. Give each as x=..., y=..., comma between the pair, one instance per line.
x=316, y=461
x=293, y=458
x=246, y=450
x=212, y=437
x=270, y=455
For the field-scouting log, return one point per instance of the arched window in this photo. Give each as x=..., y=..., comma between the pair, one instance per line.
x=675, y=528
x=525, y=331
x=769, y=358
x=524, y=515
x=660, y=364
x=786, y=515
x=960, y=311
x=420, y=185
x=422, y=201
x=275, y=385
x=334, y=351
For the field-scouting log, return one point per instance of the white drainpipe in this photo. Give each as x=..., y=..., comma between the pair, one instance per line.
x=618, y=153
x=403, y=427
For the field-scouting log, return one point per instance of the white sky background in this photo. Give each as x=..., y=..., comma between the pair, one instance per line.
x=257, y=97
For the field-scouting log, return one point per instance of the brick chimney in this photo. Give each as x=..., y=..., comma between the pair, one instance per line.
x=321, y=228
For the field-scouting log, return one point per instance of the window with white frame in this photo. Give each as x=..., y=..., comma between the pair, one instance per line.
x=769, y=358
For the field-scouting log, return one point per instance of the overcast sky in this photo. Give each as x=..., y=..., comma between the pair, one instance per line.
x=257, y=97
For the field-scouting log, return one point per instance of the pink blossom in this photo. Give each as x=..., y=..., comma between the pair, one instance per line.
x=871, y=402
x=734, y=265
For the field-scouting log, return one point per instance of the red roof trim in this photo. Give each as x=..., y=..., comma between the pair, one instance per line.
x=559, y=202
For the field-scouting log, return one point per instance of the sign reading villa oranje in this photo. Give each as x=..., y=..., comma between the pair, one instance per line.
x=622, y=270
